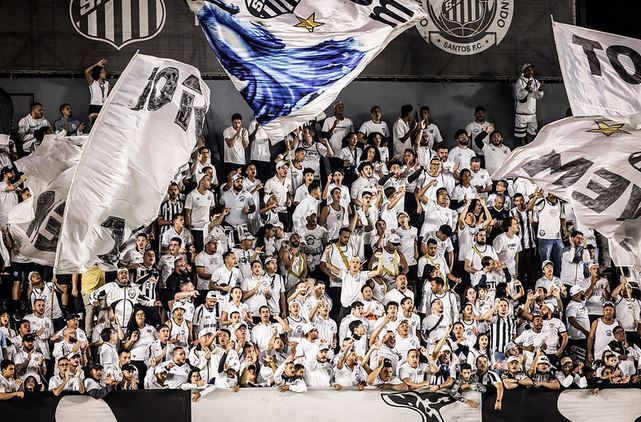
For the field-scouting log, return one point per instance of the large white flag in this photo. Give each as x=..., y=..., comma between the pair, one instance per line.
x=291, y=58
x=144, y=133
x=35, y=224
x=601, y=71
x=594, y=164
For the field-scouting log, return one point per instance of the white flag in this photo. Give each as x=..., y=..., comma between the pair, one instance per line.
x=144, y=133
x=291, y=58
x=594, y=164
x=35, y=224
x=601, y=71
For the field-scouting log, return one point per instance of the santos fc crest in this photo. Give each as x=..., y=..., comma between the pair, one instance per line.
x=466, y=27
x=118, y=22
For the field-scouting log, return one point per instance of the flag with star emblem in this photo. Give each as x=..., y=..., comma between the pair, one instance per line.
x=594, y=164
x=601, y=71
x=291, y=58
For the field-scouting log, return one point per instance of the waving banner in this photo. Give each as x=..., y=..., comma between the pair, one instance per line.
x=35, y=224
x=602, y=72
x=291, y=58
x=144, y=133
x=594, y=164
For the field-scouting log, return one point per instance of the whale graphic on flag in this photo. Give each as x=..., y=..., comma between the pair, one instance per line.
x=290, y=59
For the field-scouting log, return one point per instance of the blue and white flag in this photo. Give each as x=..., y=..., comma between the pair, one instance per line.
x=291, y=58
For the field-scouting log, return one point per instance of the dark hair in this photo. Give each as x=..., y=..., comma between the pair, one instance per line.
x=440, y=145
x=6, y=363
x=308, y=170
x=459, y=133
x=177, y=239
x=406, y=109
x=446, y=230
x=313, y=186
x=356, y=304
x=485, y=261
x=466, y=366
x=34, y=104
x=431, y=241
x=132, y=325
x=95, y=72
x=63, y=105
x=236, y=116
x=374, y=108
x=391, y=303
x=425, y=108
x=479, y=108
x=105, y=334
x=354, y=324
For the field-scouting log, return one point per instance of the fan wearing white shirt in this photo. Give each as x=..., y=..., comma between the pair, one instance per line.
x=462, y=154
x=400, y=292
x=432, y=131
x=376, y=124
x=336, y=127
x=404, y=129
x=507, y=246
x=352, y=281
x=476, y=127
x=236, y=141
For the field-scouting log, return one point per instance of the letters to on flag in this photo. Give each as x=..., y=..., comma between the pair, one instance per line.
x=144, y=133
x=593, y=164
x=291, y=58
x=601, y=71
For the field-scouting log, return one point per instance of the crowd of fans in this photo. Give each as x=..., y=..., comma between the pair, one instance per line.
x=335, y=258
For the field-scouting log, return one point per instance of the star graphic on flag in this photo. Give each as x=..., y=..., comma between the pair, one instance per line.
x=310, y=23
x=607, y=129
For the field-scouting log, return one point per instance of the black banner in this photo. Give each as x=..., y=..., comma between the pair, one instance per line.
x=469, y=39
x=121, y=406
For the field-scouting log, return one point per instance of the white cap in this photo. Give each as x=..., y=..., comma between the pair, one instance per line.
x=210, y=237
x=206, y=331
x=393, y=238
x=211, y=294
x=178, y=305
x=281, y=163
x=199, y=177
x=576, y=289
x=512, y=359
x=236, y=177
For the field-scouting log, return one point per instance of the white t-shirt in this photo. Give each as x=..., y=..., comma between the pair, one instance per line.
x=199, y=204
x=507, y=249
x=236, y=153
x=371, y=127
x=579, y=311
x=343, y=127
x=409, y=238
x=259, y=148
x=209, y=262
x=462, y=156
x=549, y=216
x=8, y=200
x=476, y=254
x=398, y=131
x=351, y=288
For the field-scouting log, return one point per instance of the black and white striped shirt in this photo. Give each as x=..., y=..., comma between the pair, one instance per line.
x=167, y=211
x=526, y=231
x=502, y=331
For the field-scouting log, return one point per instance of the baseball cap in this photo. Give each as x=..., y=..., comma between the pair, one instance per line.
x=509, y=346
x=72, y=354
x=122, y=270
x=394, y=238
x=546, y=262
x=206, y=331
x=512, y=359
x=241, y=326
x=210, y=237
x=575, y=290
x=525, y=66
x=96, y=365
x=236, y=177
x=279, y=225
x=398, y=214
x=270, y=259
x=565, y=360
x=281, y=163
x=544, y=359
x=6, y=170
x=160, y=370
x=593, y=263
x=211, y=294
x=246, y=236
x=28, y=337
x=178, y=305
x=608, y=304
x=308, y=329
x=323, y=346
